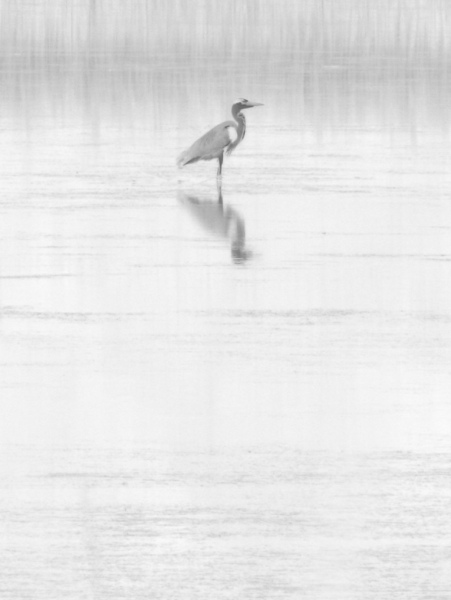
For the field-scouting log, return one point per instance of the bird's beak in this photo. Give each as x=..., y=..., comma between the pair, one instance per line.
x=252, y=104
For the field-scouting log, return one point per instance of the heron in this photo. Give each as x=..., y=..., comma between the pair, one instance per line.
x=225, y=137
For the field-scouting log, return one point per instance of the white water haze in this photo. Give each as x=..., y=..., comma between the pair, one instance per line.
x=239, y=399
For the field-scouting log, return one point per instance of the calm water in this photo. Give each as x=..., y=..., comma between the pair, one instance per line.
x=237, y=400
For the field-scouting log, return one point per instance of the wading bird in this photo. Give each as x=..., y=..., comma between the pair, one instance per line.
x=225, y=137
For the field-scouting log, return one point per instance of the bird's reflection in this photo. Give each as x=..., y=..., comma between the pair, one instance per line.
x=222, y=221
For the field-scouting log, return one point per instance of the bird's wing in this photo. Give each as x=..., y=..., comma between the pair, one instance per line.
x=210, y=145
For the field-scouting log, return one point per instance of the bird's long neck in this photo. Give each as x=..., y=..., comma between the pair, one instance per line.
x=241, y=120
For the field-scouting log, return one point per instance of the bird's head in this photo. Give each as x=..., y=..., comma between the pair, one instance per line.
x=242, y=103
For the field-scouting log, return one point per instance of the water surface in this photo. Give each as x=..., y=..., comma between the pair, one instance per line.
x=236, y=399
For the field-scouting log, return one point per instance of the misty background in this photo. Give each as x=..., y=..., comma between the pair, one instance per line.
x=235, y=394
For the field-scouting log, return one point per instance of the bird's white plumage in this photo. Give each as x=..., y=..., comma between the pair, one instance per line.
x=233, y=135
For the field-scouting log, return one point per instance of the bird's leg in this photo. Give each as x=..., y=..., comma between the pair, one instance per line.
x=220, y=159
x=219, y=188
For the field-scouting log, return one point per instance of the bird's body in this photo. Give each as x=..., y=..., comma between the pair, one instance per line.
x=225, y=137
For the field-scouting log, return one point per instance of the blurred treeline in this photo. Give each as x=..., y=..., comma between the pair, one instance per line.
x=327, y=62
x=416, y=31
